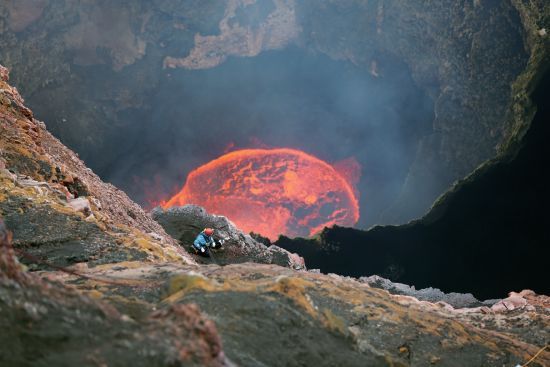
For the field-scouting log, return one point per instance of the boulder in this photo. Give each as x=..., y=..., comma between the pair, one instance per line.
x=184, y=223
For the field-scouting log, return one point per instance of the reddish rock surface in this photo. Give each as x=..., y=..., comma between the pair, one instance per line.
x=37, y=159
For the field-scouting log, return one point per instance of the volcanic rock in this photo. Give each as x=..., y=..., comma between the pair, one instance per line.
x=115, y=289
x=81, y=205
x=47, y=324
x=186, y=222
x=4, y=74
x=37, y=201
x=275, y=32
x=324, y=320
x=433, y=295
x=486, y=235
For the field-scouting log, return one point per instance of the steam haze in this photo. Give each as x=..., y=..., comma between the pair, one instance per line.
x=331, y=109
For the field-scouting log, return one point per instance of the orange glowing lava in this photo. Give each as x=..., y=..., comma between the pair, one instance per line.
x=272, y=192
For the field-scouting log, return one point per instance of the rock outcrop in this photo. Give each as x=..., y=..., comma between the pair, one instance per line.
x=276, y=31
x=184, y=223
x=48, y=324
x=58, y=208
x=433, y=295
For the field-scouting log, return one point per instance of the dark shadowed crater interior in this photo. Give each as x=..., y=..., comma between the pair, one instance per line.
x=489, y=237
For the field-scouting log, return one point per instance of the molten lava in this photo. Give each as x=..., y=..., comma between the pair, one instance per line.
x=272, y=192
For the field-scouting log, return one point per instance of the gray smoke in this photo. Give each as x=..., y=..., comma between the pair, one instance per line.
x=290, y=98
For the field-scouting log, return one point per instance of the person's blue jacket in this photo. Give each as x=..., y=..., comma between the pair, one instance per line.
x=203, y=240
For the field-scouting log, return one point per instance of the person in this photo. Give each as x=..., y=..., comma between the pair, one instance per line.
x=205, y=238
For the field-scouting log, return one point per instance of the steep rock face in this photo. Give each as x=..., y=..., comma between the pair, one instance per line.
x=122, y=44
x=464, y=54
x=57, y=207
x=184, y=223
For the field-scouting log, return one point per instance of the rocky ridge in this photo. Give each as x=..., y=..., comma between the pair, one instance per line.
x=325, y=319
x=433, y=295
x=48, y=193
